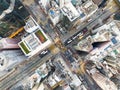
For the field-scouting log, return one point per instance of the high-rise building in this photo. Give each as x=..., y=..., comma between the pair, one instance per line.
x=10, y=58
x=3, y=5
x=12, y=15
x=12, y=8
x=36, y=40
x=61, y=3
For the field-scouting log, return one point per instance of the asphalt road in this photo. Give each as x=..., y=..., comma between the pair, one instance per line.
x=93, y=22
x=23, y=71
x=91, y=84
x=87, y=78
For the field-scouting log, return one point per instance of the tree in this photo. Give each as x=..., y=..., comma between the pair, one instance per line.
x=65, y=22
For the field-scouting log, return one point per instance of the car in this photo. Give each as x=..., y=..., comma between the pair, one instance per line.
x=79, y=34
x=85, y=30
x=89, y=20
x=74, y=37
x=80, y=37
x=44, y=53
x=68, y=41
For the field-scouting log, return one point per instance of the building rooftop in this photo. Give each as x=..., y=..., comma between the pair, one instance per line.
x=89, y=7
x=10, y=58
x=85, y=45
x=108, y=35
x=70, y=11
x=34, y=42
x=36, y=39
x=54, y=14
x=30, y=25
x=82, y=13
x=103, y=82
x=98, y=2
x=101, y=34
x=8, y=43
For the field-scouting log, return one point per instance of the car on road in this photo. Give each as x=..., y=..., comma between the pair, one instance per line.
x=74, y=37
x=44, y=53
x=68, y=41
x=79, y=35
x=88, y=20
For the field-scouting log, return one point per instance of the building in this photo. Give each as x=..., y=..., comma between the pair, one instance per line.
x=8, y=43
x=84, y=45
x=10, y=58
x=89, y=7
x=110, y=26
x=103, y=82
x=109, y=42
x=35, y=41
x=33, y=79
x=85, y=11
x=62, y=3
x=44, y=4
x=98, y=2
x=100, y=51
x=107, y=35
x=70, y=11
x=42, y=71
x=11, y=16
x=61, y=9
x=42, y=87
x=31, y=25
x=82, y=13
x=105, y=40
x=62, y=78
x=102, y=36
x=6, y=8
x=117, y=1
x=54, y=13
x=12, y=6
